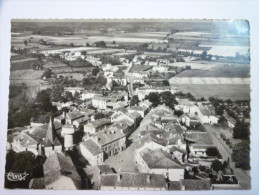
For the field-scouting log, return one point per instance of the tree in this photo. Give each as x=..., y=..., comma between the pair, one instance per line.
x=195, y=170
x=25, y=42
x=69, y=96
x=153, y=98
x=202, y=168
x=84, y=53
x=100, y=44
x=221, y=120
x=99, y=115
x=212, y=151
x=166, y=82
x=113, y=42
x=167, y=98
x=134, y=101
x=115, y=84
x=178, y=113
x=241, y=155
x=46, y=74
x=76, y=95
x=216, y=165
x=95, y=71
x=159, y=49
x=57, y=94
x=241, y=131
x=204, y=55
x=212, y=99
x=23, y=162
x=43, y=99
x=202, y=99
x=101, y=80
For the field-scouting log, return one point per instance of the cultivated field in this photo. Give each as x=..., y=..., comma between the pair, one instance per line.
x=131, y=38
x=31, y=78
x=209, y=80
x=139, y=68
x=76, y=76
x=201, y=69
x=222, y=50
x=233, y=92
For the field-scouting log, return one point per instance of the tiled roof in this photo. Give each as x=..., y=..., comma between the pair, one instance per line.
x=74, y=115
x=200, y=138
x=57, y=165
x=137, y=108
x=128, y=122
x=92, y=147
x=37, y=183
x=105, y=168
x=191, y=184
x=25, y=139
x=134, y=115
x=122, y=110
x=40, y=132
x=135, y=180
x=87, y=111
x=159, y=159
x=108, y=137
x=174, y=185
x=56, y=142
x=83, y=120
x=98, y=123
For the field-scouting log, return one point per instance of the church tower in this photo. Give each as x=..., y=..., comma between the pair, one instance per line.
x=50, y=136
x=51, y=142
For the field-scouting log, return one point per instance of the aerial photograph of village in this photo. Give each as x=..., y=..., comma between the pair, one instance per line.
x=136, y=104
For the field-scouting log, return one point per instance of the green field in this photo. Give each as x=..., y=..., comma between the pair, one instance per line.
x=233, y=92
x=228, y=71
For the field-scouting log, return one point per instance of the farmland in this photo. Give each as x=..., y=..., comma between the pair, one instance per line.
x=209, y=80
x=228, y=71
x=233, y=92
x=80, y=40
x=221, y=80
x=31, y=78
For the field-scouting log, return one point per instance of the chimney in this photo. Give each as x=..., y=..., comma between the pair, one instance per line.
x=148, y=178
x=119, y=177
x=182, y=186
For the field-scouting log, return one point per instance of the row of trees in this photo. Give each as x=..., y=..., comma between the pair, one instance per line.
x=100, y=80
x=23, y=162
x=166, y=98
x=21, y=110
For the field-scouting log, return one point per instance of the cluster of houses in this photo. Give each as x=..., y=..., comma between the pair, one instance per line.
x=167, y=146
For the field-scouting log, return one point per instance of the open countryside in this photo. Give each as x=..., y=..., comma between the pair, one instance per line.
x=141, y=104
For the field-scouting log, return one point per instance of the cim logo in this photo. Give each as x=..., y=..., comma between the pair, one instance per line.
x=16, y=176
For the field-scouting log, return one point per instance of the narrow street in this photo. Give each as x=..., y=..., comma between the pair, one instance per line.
x=242, y=176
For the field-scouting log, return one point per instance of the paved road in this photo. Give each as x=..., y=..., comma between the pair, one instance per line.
x=242, y=176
